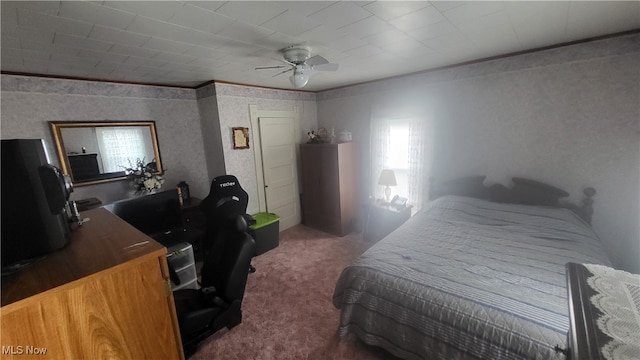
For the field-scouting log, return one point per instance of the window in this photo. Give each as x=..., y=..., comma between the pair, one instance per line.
x=120, y=147
x=397, y=158
x=399, y=143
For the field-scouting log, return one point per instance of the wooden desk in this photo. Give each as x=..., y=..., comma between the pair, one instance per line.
x=194, y=218
x=105, y=295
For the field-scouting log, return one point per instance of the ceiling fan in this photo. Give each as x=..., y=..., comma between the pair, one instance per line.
x=300, y=61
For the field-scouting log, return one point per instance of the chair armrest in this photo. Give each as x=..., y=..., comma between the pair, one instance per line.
x=186, y=294
x=249, y=219
x=242, y=222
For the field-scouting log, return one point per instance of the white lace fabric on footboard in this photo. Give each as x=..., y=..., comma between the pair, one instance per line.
x=618, y=299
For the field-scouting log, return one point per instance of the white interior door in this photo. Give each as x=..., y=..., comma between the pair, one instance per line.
x=278, y=145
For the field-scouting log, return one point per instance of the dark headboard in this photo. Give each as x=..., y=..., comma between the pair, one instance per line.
x=522, y=191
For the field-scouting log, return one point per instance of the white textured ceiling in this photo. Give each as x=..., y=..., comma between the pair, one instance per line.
x=188, y=43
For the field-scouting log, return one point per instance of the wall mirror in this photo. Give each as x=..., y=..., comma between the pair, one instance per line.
x=100, y=151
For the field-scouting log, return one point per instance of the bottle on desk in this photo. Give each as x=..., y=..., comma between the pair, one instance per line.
x=183, y=192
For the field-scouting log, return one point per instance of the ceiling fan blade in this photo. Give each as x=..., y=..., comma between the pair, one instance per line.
x=326, y=67
x=316, y=60
x=282, y=72
x=270, y=67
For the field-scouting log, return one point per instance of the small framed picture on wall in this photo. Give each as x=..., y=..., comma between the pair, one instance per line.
x=240, y=138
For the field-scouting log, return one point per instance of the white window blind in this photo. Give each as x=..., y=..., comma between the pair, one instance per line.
x=120, y=147
x=399, y=141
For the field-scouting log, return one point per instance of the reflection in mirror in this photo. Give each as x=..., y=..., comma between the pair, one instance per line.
x=96, y=152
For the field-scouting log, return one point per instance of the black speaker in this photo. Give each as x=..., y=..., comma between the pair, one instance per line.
x=33, y=220
x=56, y=187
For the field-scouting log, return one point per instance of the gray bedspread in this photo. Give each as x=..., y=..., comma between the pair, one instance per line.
x=468, y=279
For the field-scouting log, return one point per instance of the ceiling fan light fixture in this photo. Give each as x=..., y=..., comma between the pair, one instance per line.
x=299, y=79
x=301, y=65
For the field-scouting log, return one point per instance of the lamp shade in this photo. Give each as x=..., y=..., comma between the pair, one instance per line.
x=299, y=79
x=387, y=178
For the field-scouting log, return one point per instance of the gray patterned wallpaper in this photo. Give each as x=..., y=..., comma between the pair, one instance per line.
x=211, y=136
x=233, y=109
x=194, y=126
x=28, y=103
x=568, y=116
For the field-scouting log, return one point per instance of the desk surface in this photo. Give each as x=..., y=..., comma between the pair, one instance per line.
x=104, y=242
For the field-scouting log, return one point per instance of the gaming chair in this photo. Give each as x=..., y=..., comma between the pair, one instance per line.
x=227, y=253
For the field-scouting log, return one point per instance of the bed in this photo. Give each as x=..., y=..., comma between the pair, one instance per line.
x=478, y=276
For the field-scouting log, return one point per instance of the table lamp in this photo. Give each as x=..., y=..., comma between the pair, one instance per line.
x=387, y=178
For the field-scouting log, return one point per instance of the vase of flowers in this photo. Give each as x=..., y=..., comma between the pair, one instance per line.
x=143, y=178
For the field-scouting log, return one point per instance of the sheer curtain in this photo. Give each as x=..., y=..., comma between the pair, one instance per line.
x=401, y=141
x=120, y=147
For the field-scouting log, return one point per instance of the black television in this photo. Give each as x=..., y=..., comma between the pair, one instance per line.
x=34, y=196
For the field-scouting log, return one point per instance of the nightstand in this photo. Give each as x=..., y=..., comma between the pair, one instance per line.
x=381, y=219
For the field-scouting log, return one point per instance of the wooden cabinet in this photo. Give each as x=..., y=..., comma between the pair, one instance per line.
x=105, y=295
x=330, y=186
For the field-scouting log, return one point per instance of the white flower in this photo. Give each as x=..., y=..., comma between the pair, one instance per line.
x=143, y=179
x=150, y=184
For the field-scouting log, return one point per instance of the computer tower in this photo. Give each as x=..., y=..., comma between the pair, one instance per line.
x=34, y=222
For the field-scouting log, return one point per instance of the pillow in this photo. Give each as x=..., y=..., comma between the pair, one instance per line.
x=531, y=192
x=472, y=186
